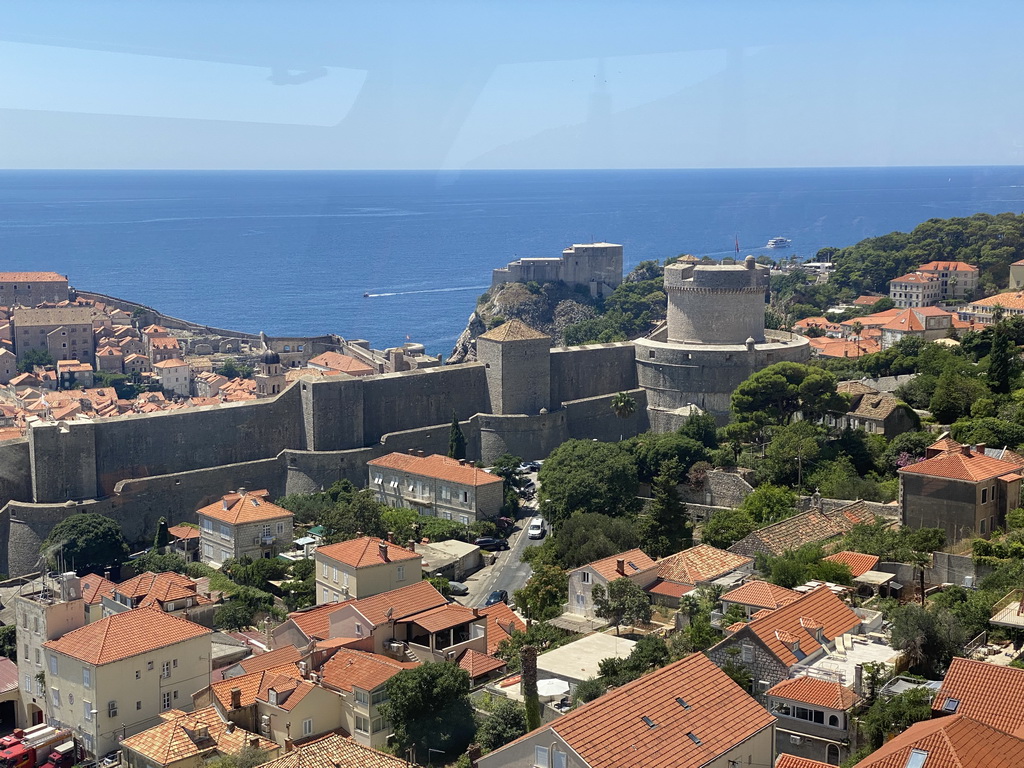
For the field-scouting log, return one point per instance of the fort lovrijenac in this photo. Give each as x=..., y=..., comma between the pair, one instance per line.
x=521, y=396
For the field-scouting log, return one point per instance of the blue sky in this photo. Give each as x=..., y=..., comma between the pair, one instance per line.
x=466, y=85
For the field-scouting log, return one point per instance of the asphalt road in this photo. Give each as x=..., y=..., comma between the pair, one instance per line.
x=508, y=572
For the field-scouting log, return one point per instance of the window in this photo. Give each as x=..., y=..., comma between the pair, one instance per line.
x=464, y=519
x=208, y=551
x=465, y=497
x=337, y=597
x=138, y=705
x=401, y=573
x=984, y=495
x=138, y=674
x=54, y=697
x=335, y=576
x=540, y=756
x=585, y=577
x=378, y=697
x=225, y=532
x=39, y=658
x=87, y=677
x=280, y=527
x=559, y=759
x=378, y=479
x=87, y=711
x=833, y=720
x=747, y=652
x=165, y=700
x=165, y=669
x=344, y=579
x=379, y=724
x=149, y=665
x=307, y=726
x=326, y=596
x=359, y=629
x=810, y=715
x=53, y=664
x=111, y=709
x=325, y=570
x=982, y=528
x=28, y=683
x=362, y=697
x=224, y=555
x=207, y=525
x=174, y=663
x=362, y=724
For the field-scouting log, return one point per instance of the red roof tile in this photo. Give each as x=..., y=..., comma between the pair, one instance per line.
x=857, y=562
x=335, y=751
x=247, y=507
x=810, y=527
x=288, y=654
x=947, y=266
x=634, y=561
x=475, y=663
x=348, y=668
x=501, y=622
x=792, y=761
x=339, y=362
x=178, y=738
x=124, y=635
x=365, y=552
x=991, y=694
x=437, y=467
x=816, y=692
x=95, y=588
x=958, y=465
x=403, y=603
x=315, y=623
x=609, y=732
x=950, y=742
x=700, y=563
x=443, y=617
x=669, y=588
x=183, y=532
x=761, y=594
x=8, y=675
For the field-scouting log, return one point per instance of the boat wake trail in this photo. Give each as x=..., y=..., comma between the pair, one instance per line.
x=427, y=290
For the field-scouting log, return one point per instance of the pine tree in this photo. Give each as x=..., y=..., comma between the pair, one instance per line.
x=668, y=527
x=1000, y=360
x=456, y=440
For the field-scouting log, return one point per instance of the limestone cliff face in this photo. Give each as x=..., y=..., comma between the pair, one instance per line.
x=549, y=308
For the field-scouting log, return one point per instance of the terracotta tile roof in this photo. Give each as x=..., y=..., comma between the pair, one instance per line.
x=287, y=654
x=443, y=617
x=958, y=465
x=513, y=330
x=914, y=277
x=335, y=751
x=174, y=362
x=31, y=277
x=124, y=635
x=669, y=588
x=875, y=319
x=858, y=562
x=191, y=735
x=339, y=362
x=95, y=588
x=985, y=692
x=700, y=563
x=8, y=675
x=844, y=348
x=183, y=532
x=162, y=586
x=436, y=466
x=876, y=406
x=475, y=663
x=1011, y=300
x=810, y=527
x=248, y=507
x=634, y=561
x=501, y=622
x=315, y=623
x=792, y=761
x=950, y=742
x=866, y=301
x=254, y=687
x=947, y=266
x=348, y=668
x=164, y=342
x=855, y=388
x=761, y=594
x=365, y=552
x=609, y=732
x=403, y=603
x=799, y=619
x=816, y=692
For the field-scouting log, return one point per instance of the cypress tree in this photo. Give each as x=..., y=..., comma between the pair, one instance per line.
x=528, y=655
x=163, y=536
x=456, y=440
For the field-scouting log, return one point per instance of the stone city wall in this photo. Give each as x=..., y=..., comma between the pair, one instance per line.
x=594, y=369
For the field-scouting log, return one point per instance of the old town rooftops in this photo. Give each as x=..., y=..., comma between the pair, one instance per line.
x=816, y=692
x=949, y=742
x=623, y=564
x=963, y=464
x=335, y=751
x=192, y=735
x=683, y=715
x=365, y=552
x=244, y=507
x=437, y=467
x=348, y=668
x=761, y=594
x=124, y=635
x=986, y=692
x=700, y=563
x=857, y=562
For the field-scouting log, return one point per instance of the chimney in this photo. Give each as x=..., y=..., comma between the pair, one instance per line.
x=391, y=537
x=412, y=451
x=420, y=453
x=288, y=745
x=106, y=574
x=236, y=698
x=254, y=742
x=382, y=549
x=359, y=534
x=473, y=752
x=965, y=450
x=411, y=545
x=229, y=727
x=476, y=613
x=620, y=566
x=858, y=679
x=241, y=491
x=980, y=449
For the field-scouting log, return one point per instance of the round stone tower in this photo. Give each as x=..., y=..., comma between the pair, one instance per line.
x=713, y=339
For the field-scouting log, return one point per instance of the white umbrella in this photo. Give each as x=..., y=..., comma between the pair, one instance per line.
x=552, y=688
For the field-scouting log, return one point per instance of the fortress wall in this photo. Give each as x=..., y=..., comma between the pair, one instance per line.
x=332, y=411
x=15, y=471
x=180, y=441
x=396, y=402
x=594, y=369
x=26, y=527
x=63, y=461
x=529, y=437
x=593, y=418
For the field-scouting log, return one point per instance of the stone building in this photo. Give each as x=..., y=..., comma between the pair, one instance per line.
x=596, y=266
x=437, y=486
x=915, y=289
x=877, y=413
x=958, y=280
x=714, y=338
x=174, y=376
x=65, y=333
x=633, y=565
x=270, y=379
x=363, y=567
x=28, y=289
x=241, y=524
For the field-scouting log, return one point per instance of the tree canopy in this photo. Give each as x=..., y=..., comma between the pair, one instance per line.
x=774, y=395
x=428, y=706
x=85, y=542
x=623, y=602
x=588, y=476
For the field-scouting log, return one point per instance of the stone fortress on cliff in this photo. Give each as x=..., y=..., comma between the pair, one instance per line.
x=521, y=396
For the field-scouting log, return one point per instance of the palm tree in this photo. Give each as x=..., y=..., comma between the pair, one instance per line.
x=857, y=327
x=624, y=405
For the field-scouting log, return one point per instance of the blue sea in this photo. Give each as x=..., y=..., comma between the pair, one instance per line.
x=294, y=252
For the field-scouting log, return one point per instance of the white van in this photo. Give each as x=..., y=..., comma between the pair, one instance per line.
x=536, y=529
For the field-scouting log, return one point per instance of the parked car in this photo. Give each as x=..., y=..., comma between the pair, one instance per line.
x=497, y=596
x=536, y=529
x=491, y=544
x=458, y=588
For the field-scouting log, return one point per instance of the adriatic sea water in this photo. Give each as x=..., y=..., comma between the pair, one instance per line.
x=295, y=252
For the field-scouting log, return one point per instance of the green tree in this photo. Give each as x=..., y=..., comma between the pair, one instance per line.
x=773, y=395
x=34, y=357
x=667, y=527
x=404, y=523
x=702, y=428
x=528, y=656
x=590, y=689
x=791, y=449
x=163, y=537
x=87, y=541
x=622, y=603
x=624, y=405
x=543, y=596
x=586, y=537
x=727, y=526
x=651, y=451
x=894, y=714
x=300, y=591
x=507, y=468
x=159, y=562
x=507, y=722
x=769, y=503
x=928, y=638
x=429, y=706
x=247, y=757
x=456, y=440
x=588, y=476
x=954, y=394
x=234, y=615
x=540, y=634
x=9, y=642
